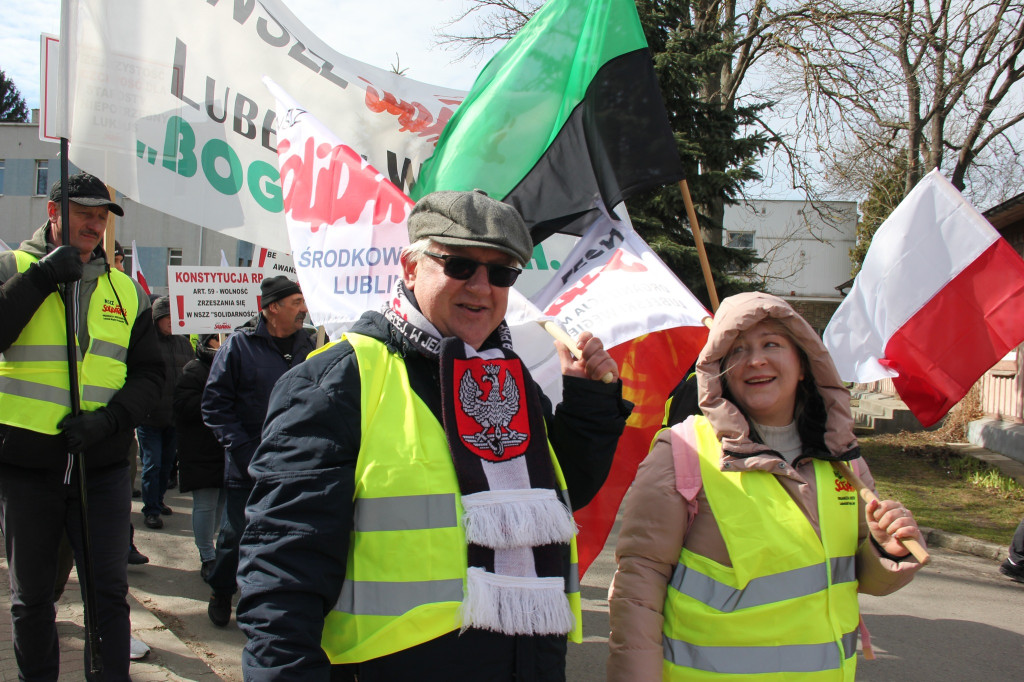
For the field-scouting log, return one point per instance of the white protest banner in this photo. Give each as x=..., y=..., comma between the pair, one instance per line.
x=166, y=105
x=210, y=300
x=346, y=222
x=613, y=285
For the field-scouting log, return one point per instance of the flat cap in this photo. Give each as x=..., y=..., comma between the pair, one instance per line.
x=470, y=219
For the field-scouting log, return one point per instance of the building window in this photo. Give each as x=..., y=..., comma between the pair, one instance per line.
x=739, y=240
x=174, y=257
x=128, y=256
x=42, y=176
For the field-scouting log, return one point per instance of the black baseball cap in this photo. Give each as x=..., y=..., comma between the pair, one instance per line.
x=86, y=190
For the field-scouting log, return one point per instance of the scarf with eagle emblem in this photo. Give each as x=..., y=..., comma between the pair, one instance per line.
x=517, y=526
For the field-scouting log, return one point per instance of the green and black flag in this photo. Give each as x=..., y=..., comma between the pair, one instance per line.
x=567, y=112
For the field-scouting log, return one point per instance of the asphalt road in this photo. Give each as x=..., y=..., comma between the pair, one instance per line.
x=959, y=620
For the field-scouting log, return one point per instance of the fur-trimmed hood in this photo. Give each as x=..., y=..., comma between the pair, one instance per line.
x=827, y=424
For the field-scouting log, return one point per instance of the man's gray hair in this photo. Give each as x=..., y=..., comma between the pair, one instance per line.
x=418, y=249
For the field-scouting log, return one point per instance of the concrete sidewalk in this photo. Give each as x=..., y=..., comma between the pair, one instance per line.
x=168, y=660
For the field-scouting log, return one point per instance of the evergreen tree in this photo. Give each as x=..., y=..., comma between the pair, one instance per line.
x=12, y=104
x=690, y=48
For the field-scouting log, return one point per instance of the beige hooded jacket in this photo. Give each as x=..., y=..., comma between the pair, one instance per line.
x=654, y=517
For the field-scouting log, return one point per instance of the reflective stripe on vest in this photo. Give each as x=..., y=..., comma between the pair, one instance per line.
x=34, y=387
x=753, y=660
x=406, y=566
x=788, y=604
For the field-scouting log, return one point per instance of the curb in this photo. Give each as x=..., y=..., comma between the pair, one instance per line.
x=964, y=544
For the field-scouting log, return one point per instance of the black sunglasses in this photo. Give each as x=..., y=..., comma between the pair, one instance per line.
x=460, y=267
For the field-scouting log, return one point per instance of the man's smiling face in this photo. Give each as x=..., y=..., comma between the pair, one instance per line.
x=468, y=309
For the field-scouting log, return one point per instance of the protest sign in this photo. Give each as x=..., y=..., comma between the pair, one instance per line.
x=209, y=300
x=614, y=285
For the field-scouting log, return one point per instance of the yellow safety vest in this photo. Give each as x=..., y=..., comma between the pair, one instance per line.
x=35, y=391
x=406, y=566
x=787, y=607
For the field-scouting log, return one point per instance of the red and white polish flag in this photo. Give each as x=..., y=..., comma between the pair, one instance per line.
x=137, y=270
x=937, y=302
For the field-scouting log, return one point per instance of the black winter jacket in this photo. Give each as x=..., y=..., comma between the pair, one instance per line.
x=200, y=455
x=21, y=294
x=294, y=548
x=176, y=351
x=237, y=392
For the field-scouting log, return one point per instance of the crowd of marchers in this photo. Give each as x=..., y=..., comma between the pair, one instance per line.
x=398, y=503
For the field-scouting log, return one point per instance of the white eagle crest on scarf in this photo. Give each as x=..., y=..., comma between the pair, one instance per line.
x=494, y=412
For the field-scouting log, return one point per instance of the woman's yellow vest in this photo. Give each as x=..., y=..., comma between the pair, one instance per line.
x=407, y=553
x=35, y=391
x=787, y=608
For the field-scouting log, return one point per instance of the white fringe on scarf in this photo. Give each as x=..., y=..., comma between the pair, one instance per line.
x=504, y=519
x=513, y=605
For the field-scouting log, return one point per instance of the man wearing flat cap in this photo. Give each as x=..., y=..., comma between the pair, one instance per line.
x=234, y=405
x=120, y=373
x=410, y=517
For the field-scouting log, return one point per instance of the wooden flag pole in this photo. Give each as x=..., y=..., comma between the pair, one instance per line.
x=111, y=234
x=919, y=552
x=563, y=336
x=698, y=240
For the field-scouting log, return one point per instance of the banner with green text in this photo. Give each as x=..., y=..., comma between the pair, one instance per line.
x=166, y=104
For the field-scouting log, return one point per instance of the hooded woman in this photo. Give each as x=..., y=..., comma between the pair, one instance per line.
x=743, y=547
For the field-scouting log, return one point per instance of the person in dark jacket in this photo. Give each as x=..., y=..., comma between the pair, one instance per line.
x=200, y=454
x=157, y=436
x=234, y=406
x=121, y=376
x=410, y=516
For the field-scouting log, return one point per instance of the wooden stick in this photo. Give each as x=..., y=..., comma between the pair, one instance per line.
x=563, y=336
x=919, y=552
x=698, y=240
x=111, y=234
x=321, y=336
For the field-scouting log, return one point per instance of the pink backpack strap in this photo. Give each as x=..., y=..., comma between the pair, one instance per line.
x=687, y=466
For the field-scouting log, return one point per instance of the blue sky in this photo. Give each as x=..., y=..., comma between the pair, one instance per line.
x=371, y=31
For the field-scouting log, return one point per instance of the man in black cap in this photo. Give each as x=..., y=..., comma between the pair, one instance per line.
x=234, y=405
x=120, y=374
x=414, y=484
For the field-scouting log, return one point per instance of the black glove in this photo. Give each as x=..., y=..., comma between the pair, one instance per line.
x=63, y=264
x=87, y=429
